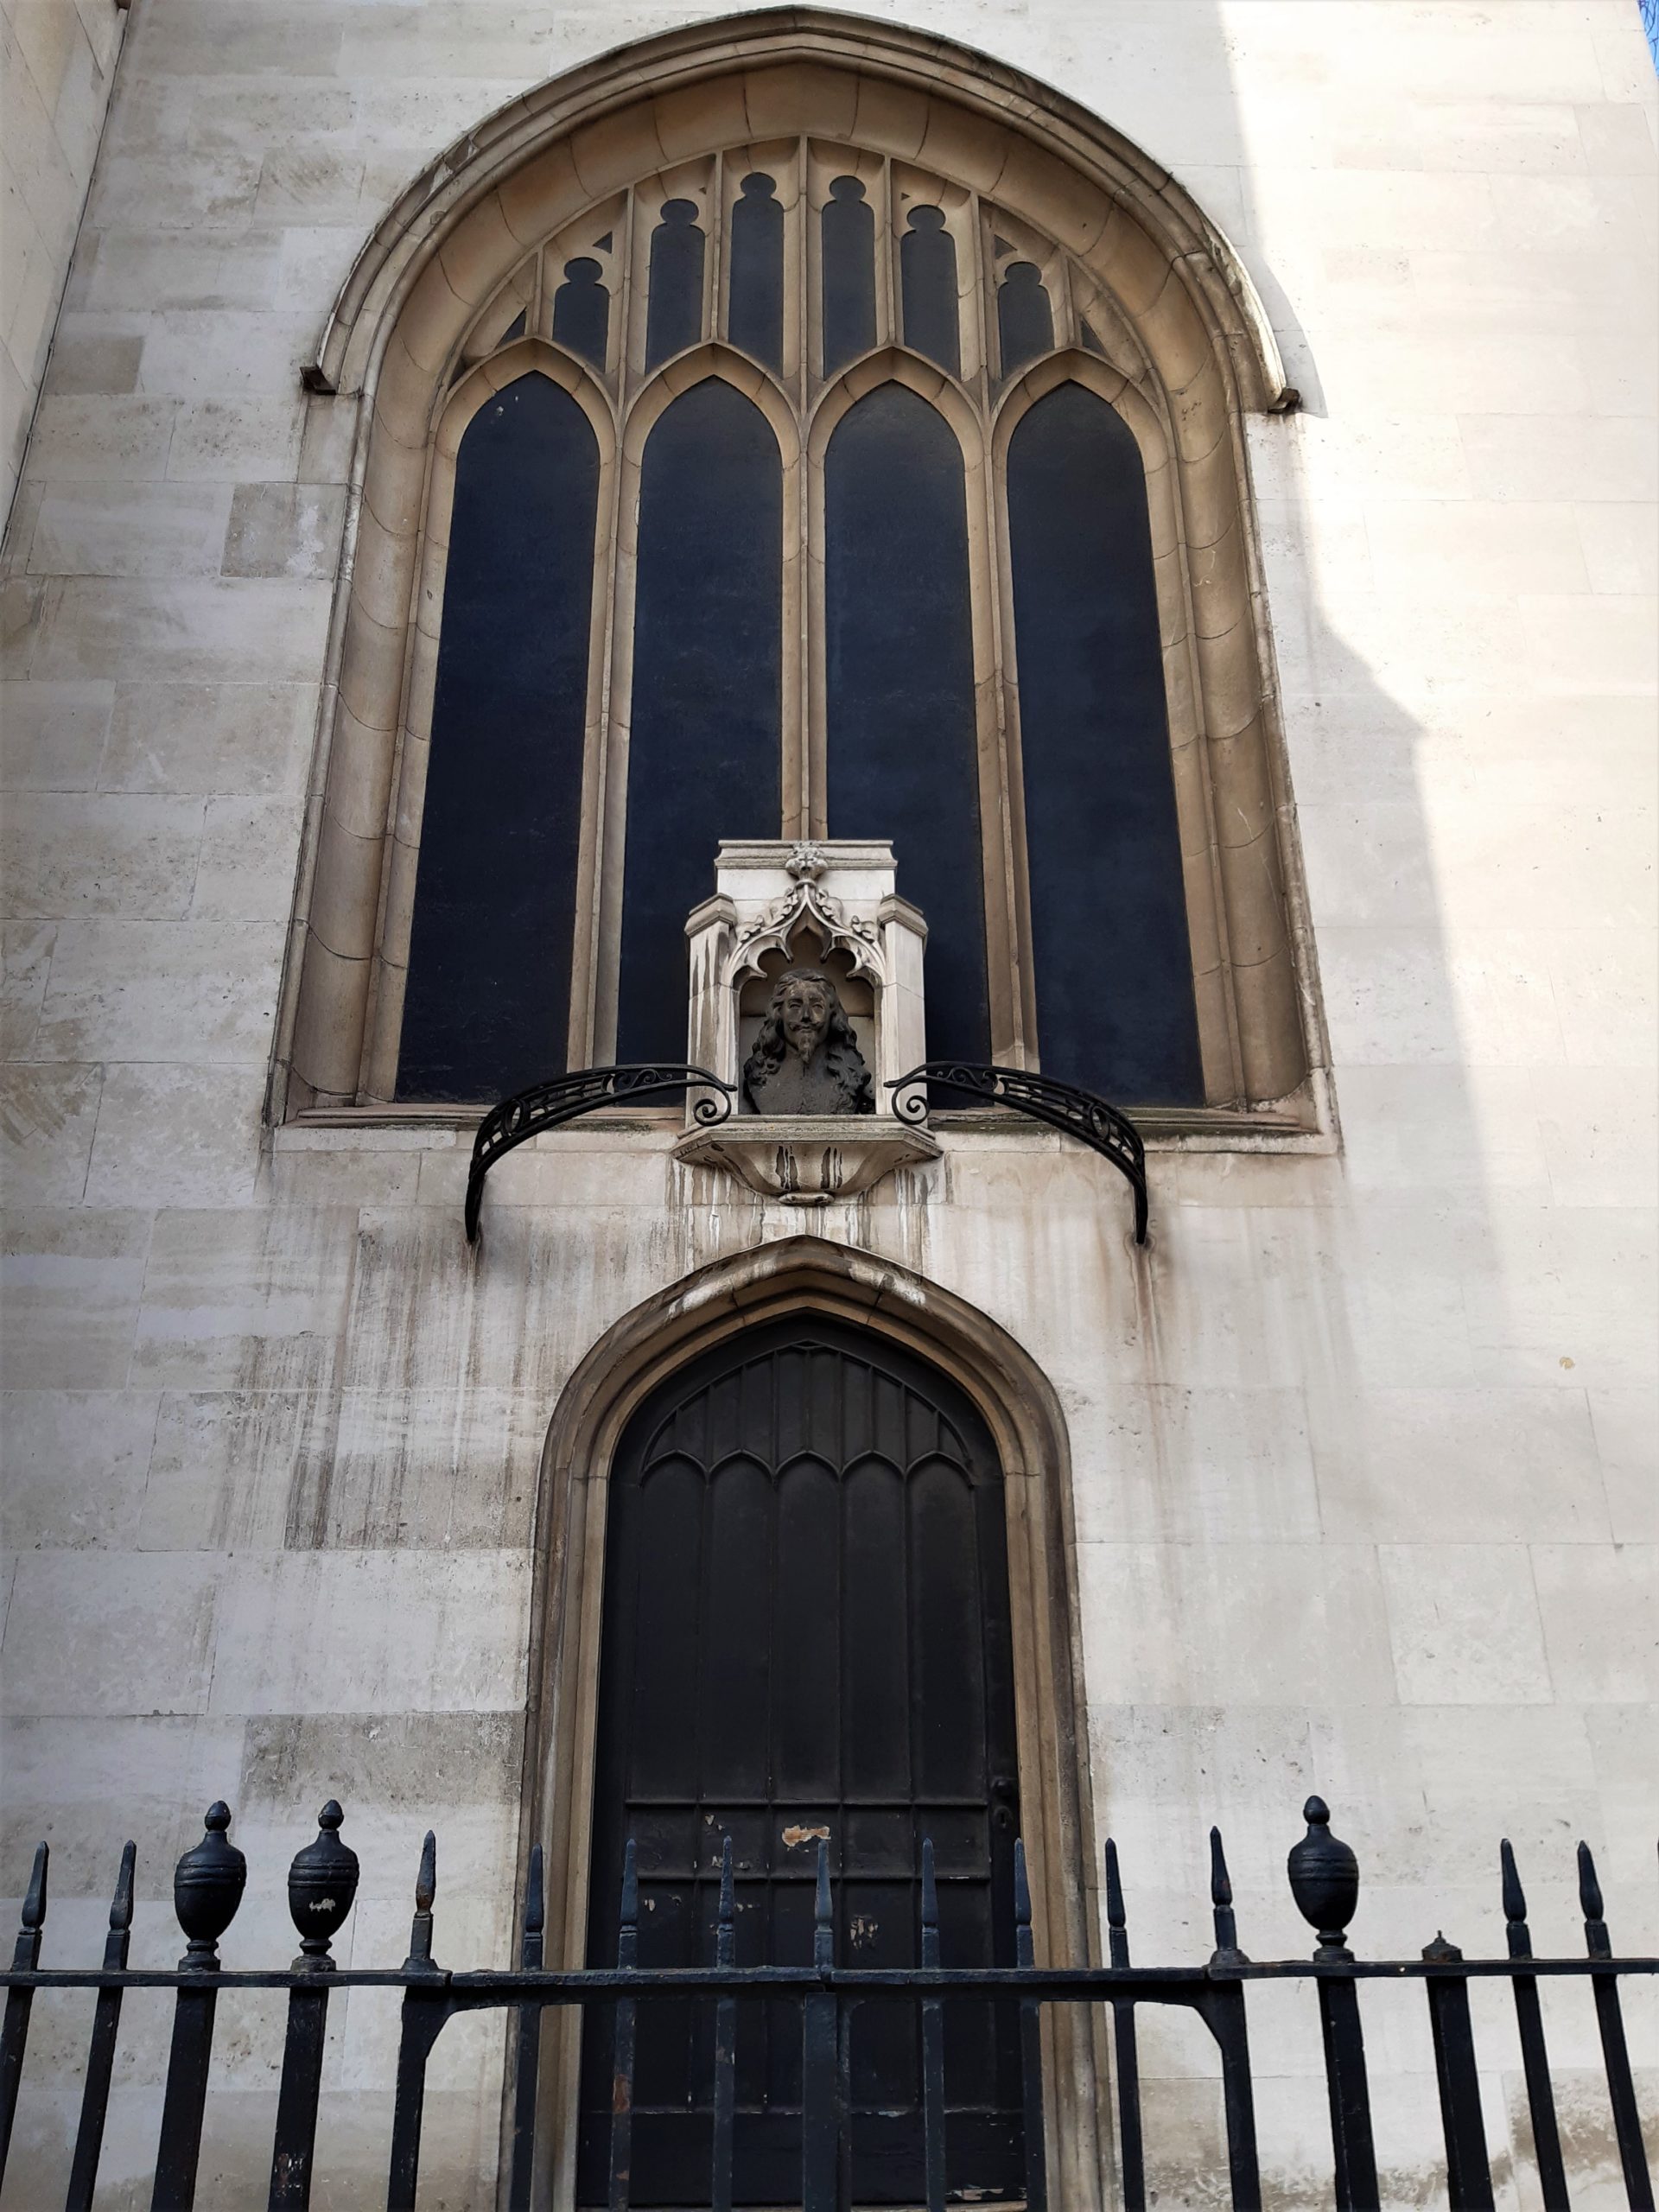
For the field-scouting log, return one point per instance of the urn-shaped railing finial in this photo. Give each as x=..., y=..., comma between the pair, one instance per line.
x=1323, y=1880
x=207, y=1886
x=321, y=1885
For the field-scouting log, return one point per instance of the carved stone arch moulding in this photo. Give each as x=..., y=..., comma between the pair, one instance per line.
x=807, y=1276
x=1164, y=324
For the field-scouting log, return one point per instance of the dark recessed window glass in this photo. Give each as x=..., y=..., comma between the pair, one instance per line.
x=1025, y=321
x=705, y=726
x=581, y=311
x=487, y=1002
x=1112, y=965
x=927, y=268
x=674, y=308
x=899, y=662
x=847, y=235
x=756, y=318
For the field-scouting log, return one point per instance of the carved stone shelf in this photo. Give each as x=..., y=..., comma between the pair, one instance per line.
x=808, y=1159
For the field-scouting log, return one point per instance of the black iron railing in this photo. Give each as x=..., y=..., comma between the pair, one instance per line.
x=1324, y=1879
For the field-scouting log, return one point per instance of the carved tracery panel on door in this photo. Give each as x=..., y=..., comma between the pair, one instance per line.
x=800, y=492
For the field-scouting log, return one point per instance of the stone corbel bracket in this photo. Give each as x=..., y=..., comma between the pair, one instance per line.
x=808, y=1159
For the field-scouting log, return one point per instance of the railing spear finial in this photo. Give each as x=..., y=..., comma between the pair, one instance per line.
x=32, y=1919
x=725, y=1929
x=1514, y=1899
x=426, y=1889
x=627, y=1929
x=931, y=1905
x=823, y=1916
x=535, y=1895
x=1226, y=1952
x=1117, y=1918
x=121, y=1899
x=1597, y=1941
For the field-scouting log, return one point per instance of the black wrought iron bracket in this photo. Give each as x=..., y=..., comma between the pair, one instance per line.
x=565, y=1097
x=1075, y=1113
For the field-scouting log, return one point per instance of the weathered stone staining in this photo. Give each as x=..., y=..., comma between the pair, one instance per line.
x=1347, y=1485
x=806, y=1058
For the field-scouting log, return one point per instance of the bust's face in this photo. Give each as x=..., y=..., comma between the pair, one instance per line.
x=805, y=1012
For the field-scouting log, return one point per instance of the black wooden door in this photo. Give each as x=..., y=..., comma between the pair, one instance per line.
x=806, y=1634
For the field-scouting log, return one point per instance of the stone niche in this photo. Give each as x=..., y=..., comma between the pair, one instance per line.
x=832, y=907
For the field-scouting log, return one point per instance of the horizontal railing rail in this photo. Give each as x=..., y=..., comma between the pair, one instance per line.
x=1324, y=1877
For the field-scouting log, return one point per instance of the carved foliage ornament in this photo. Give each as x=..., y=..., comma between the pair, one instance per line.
x=836, y=929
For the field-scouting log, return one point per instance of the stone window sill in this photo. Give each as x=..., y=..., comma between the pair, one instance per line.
x=1296, y=1126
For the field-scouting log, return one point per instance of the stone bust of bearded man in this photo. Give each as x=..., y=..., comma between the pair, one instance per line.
x=806, y=1058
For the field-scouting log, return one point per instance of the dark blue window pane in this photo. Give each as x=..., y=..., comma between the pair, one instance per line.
x=488, y=995
x=1025, y=321
x=848, y=240
x=708, y=686
x=927, y=269
x=756, y=318
x=1113, y=964
x=674, y=311
x=581, y=311
x=899, y=646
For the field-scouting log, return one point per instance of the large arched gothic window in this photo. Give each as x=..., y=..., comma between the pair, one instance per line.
x=725, y=314
x=802, y=487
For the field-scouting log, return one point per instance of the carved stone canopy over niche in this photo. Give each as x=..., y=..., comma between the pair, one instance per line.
x=829, y=911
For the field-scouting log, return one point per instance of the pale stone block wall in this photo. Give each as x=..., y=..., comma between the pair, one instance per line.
x=57, y=66
x=1364, y=1452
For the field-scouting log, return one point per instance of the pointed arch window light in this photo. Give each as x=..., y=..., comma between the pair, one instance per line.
x=799, y=490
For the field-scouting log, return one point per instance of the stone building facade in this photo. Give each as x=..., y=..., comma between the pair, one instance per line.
x=1345, y=1481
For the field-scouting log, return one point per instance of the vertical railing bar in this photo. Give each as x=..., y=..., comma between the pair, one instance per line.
x=821, y=2093
x=14, y=2029
x=1130, y=2149
x=1324, y=1883
x=100, y=2053
x=321, y=1885
x=184, y=2101
x=1229, y=2025
x=1535, y=2056
x=297, y=2098
x=933, y=2044
x=845, y=2013
x=1353, y=2153
x=207, y=1885
x=425, y=2012
x=720, y=2192
x=528, y=2055
x=1030, y=2043
x=1610, y=2019
x=1468, y=2168
x=622, y=2042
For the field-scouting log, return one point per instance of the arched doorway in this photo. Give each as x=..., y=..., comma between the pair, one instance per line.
x=806, y=1634
x=728, y=1302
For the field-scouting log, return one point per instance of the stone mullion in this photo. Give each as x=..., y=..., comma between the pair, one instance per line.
x=803, y=790
x=1001, y=824
x=599, y=867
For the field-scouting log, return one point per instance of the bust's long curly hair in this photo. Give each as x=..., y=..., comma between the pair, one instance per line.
x=841, y=1053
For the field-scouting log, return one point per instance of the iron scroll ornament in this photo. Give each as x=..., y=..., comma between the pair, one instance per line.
x=564, y=1097
x=1075, y=1113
